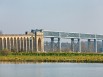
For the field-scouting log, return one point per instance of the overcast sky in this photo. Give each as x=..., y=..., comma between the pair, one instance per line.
x=84, y=16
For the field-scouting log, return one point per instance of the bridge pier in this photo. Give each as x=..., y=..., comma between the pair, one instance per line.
x=89, y=43
x=52, y=43
x=72, y=44
x=2, y=43
x=95, y=45
x=102, y=45
x=79, y=45
x=59, y=45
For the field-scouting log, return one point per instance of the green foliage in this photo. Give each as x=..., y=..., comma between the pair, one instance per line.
x=13, y=50
x=5, y=52
x=56, y=54
x=53, y=57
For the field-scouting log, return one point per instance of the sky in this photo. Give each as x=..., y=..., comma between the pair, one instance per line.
x=81, y=16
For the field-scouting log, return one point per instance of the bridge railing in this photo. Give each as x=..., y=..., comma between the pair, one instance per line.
x=65, y=35
x=51, y=34
x=71, y=35
x=99, y=36
x=87, y=36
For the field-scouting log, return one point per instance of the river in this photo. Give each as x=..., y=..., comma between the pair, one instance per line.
x=51, y=70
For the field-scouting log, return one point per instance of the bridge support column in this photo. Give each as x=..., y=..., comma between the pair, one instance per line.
x=95, y=45
x=88, y=45
x=10, y=44
x=6, y=43
x=26, y=45
x=23, y=44
x=2, y=43
x=29, y=44
x=79, y=45
x=102, y=45
x=13, y=44
x=17, y=44
x=32, y=44
x=20, y=44
x=72, y=44
x=52, y=43
x=59, y=45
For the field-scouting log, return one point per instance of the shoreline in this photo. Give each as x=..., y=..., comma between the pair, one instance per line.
x=53, y=57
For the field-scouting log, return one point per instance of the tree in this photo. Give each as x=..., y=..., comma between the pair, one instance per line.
x=5, y=52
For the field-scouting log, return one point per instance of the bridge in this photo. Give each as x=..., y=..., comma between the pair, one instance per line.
x=35, y=41
x=66, y=35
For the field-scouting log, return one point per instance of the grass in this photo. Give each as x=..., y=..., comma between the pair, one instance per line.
x=53, y=57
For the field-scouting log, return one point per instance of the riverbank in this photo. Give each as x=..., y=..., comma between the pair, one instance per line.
x=53, y=57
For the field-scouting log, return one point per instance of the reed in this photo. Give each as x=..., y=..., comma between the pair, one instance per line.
x=52, y=57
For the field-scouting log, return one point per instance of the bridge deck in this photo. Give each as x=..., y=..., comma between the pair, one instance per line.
x=48, y=34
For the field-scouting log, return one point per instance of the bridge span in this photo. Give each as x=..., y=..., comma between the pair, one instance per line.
x=66, y=35
x=34, y=41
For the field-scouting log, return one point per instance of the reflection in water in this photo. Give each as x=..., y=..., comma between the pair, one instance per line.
x=51, y=70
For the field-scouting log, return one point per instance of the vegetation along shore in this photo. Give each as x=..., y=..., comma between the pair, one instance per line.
x=7, y=56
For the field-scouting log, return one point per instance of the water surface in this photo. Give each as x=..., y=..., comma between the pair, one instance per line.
x=51, y=70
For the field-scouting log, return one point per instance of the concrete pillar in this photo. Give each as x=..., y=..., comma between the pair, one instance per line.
x=95, y=45
x=6, y=44
x=29, y=44
x=13, y=43
x=52, y=43
x=102, y=45
x=2, y=43
x=42, y=44
x=36, y=44
x=88, y=45
x=26, y=44
x=72, y=44
x=79, y=45
x=59, y=44
x=32, y=44
x=17, y=44
x=10, y=43
x=20, y=44
x=23, y=43
x=36, y=41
